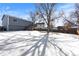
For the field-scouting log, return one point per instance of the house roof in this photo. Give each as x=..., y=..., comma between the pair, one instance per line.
x=14, y=17
x=75, y=27
x=40, y=23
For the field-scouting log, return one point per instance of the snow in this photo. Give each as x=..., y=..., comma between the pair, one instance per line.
x=35, y=43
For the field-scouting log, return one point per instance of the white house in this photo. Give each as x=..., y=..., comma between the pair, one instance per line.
x=11, y=23
x=40, y=25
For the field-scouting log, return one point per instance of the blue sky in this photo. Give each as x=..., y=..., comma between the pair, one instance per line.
x=16, y=9
x=22, y=9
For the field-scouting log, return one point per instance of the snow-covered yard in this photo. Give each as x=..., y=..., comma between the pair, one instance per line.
x=35, y=43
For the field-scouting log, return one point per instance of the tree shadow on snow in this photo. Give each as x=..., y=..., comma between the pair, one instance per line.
x=43, y=43
x=36, y=47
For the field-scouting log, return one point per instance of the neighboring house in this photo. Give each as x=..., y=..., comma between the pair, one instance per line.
x=40, y=25
x=55, y=28
x=76, y=28
x=60, y=28
x=11, y=23
x=72, y=30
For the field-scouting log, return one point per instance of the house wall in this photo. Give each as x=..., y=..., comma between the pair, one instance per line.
x=18, y=22
x=40, y=26
x=14, y=27
x=4, y=21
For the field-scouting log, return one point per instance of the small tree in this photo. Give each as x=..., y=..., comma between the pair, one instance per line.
x=33, y=18
x=67, y=26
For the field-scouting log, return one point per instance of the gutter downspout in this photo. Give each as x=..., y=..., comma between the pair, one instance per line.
x=7, y=23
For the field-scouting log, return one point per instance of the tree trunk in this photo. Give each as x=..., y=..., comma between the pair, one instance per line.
x=48, y=30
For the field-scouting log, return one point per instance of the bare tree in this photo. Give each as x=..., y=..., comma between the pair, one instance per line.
x=76, y=14
x=68, y=20
x=33, y=18
x=47, y=13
